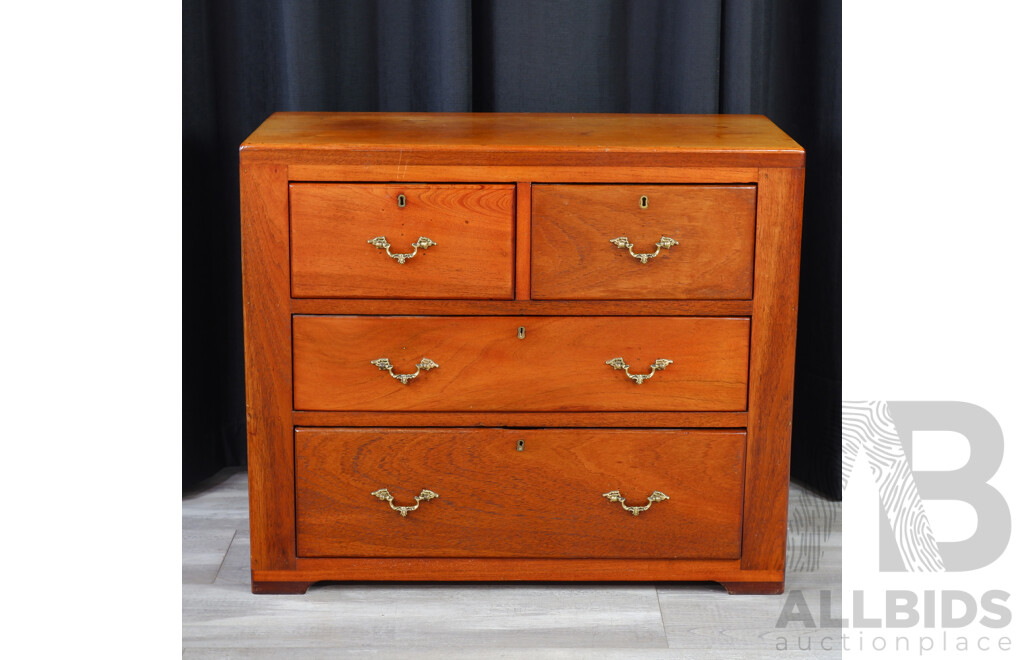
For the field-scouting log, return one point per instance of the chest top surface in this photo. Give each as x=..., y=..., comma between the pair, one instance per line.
x=528, y=133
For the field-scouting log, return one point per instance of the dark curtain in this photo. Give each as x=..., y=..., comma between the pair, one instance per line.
x=244, y=59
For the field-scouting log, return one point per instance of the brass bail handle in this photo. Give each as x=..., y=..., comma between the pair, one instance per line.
x=384, y=364
x=618, y=364
x=616, y=496
x=384, y=495
x=381, y=243
x=622, y=242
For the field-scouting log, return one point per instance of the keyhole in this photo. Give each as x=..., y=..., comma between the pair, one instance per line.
x=520, y=445
x=401, y=201
x=643, y=201
x=521, y=333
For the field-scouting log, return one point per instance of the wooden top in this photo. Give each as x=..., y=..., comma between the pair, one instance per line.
x=530, y=135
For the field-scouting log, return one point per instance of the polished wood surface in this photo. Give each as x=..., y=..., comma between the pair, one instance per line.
x=471, y=224
x=725, y=140
x=525, y=307
x=772, y=362
x=728, y=320
x=560, y=365
x=321, y=168
x=573, y=257
x=672, y=420
x=268, y=365
x=499, y=500
x=524, y=192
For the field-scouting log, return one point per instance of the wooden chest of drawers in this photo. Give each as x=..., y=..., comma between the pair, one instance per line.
x=519, y=347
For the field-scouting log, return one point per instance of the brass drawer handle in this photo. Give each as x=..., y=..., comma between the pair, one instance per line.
x=403, y=511
x=381, y=243
x=616, y=496
x=619, y=364
x=384, y=364
x=623, y=243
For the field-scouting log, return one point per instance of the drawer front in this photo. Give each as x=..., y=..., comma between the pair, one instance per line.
x=497, y=500
x=470, y=227
x=560, y=364
x=574, y=257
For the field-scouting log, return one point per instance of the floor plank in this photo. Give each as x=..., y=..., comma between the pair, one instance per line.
x=367, y=616
x=202, y=553
x=428, y=653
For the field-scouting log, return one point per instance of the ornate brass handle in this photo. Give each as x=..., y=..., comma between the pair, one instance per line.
x=384, y=364
x=381, y=243
x=623, y=243
x=619, y=364
x=403, y=511
x=616, y=496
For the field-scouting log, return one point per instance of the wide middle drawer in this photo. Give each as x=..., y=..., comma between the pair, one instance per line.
x=359, y=363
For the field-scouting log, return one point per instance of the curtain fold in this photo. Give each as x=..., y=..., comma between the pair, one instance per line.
x=243, y=60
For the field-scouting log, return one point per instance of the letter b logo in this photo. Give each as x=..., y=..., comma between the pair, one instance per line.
x=883, y=430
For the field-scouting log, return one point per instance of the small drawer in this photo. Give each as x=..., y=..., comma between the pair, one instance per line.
x=339, y=234
x=582, y=236
x=518, y=493
x=560, y=363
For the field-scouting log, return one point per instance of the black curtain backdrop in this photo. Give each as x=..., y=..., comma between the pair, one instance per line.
x=244, y=59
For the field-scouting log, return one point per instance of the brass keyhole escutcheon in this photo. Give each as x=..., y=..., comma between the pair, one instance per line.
x=643, y=201
x=521, y=333
x=401, y=201
x=520, y=445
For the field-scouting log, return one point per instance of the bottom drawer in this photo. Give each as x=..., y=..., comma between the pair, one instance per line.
x=518, y=493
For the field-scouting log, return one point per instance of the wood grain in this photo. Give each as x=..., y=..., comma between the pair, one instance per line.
x=496, y=138
x=522, y=419
x=523, y=235
x=559, y=366
x=573, y=257
x=526, y=307
x=320, y=169
x=515, y=569
x=401, y=162
x=772, y=356
x=499, y=501
x=268, y=365
x=471, y=224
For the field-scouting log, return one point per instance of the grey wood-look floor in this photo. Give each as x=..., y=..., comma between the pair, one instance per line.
x=222, y=619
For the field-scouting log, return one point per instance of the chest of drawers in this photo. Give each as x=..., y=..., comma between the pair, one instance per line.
x=519, y=347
